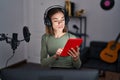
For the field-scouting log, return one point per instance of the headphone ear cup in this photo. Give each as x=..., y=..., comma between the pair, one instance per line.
x=47, y=22
x=66, y=18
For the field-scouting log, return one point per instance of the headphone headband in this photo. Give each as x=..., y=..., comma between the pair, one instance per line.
x=51, y=7
x=47, y=20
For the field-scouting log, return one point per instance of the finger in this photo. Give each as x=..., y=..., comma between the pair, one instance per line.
x=78, y=48
x=69, y=54
x=73, y=56
x=72, y=53
x=75, y=52
x=59, y=51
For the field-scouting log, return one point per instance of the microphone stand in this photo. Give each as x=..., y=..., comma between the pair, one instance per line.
x=14, y=42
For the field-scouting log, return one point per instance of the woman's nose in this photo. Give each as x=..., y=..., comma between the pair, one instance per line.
x=59, y=22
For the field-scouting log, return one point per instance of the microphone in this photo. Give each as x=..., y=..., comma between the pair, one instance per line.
x=75, y=27
x=14, y=41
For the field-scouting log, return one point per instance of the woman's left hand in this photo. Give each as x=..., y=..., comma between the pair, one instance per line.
x=74, y=53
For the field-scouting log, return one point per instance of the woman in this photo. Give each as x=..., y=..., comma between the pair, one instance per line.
x=54, y=40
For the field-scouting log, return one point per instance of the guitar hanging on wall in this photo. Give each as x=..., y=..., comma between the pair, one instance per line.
x=107, y=4
x=110, y=53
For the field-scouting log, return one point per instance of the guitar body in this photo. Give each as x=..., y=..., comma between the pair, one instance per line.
x=110, y=53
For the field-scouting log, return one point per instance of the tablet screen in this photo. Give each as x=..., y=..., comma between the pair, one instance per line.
x=71, y=43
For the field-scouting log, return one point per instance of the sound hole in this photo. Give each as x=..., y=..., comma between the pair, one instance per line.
x=113, y=47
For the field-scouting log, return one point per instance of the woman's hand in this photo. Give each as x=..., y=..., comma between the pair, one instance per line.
x=74, y=53
x=58, y=52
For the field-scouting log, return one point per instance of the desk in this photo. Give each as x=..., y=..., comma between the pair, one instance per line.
x=35, y=72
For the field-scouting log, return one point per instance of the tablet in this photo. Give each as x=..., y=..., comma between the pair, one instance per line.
x=71, y=43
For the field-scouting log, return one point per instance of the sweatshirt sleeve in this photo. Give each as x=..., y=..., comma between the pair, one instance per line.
x=45, y=60
x=77, y=64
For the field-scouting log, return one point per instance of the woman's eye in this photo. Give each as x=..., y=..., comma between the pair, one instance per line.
x=59, y=20
x=55, y=21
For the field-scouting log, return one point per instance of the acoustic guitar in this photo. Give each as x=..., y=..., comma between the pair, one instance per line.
x=110, y=53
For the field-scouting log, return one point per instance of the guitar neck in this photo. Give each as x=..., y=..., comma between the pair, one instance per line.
x=116, y=41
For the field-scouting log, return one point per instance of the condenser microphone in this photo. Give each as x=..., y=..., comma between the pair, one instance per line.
x=14, y=41
x=75, y=27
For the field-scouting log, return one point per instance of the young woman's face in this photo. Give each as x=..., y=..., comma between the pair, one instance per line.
x=58, y=21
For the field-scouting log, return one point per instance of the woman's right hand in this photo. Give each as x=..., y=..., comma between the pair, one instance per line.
x=58, y=52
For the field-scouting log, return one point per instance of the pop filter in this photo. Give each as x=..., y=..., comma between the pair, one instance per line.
x=26, y=34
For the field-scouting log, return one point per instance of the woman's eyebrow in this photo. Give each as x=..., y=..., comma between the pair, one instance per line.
x=57, y=18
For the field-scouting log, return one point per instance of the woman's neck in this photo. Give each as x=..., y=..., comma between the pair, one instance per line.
x=59, y=34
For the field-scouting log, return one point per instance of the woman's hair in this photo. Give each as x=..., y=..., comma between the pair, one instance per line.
x=49, y=30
